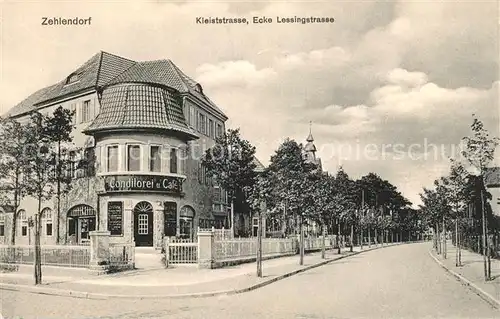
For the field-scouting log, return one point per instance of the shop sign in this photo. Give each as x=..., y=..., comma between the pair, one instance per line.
x=115, y=218
x=152, y=183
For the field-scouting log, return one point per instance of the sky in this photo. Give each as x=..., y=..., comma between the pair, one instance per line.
x=389, y=87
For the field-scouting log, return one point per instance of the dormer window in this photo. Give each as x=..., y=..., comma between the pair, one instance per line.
x=72, y=78
x=197, y=88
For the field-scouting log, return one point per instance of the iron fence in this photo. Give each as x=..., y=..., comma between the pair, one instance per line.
x=121, y=254
x=61, y=255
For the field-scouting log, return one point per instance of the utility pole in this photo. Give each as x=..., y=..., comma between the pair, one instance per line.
x=486, y=257
x=301, y=240
x=259, y=239
x=362, y=213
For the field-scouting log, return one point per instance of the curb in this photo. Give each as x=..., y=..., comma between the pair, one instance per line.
x=480, y=292
x=103, y=296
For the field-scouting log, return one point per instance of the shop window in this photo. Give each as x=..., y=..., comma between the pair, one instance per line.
x=112, y=158
x=2, y=224
x=173, y=160
x=47, y=221
x=133, y=157
x=81, y=221
x=154, y=159
x=71, y=227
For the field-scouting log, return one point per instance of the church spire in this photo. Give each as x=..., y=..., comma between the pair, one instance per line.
x=310, y=147
x=310, y=137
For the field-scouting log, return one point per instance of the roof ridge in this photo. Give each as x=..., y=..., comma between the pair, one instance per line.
x=99, y=69
x=118, y=56
x=177, y=71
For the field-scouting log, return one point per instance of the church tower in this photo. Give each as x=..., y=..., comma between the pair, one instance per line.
x=310, y=149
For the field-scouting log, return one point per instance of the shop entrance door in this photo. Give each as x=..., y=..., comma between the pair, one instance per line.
x=143, y=224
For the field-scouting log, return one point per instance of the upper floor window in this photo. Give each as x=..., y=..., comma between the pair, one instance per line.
x=219, y=131
x=202, y=123
x=211, y=128
x=191, y=115
x=85, y=114
x=72, y=108
x=173, y=160
x=112, y=158
x=154, y=158
x=133, y=157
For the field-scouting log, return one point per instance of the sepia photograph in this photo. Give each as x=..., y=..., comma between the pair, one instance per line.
x=249, y=159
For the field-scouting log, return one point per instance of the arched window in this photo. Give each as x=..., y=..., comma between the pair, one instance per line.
x=186, y=216
x=47, y=221
x=22, y=222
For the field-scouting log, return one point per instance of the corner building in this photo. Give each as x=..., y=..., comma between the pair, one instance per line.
x=142, y=128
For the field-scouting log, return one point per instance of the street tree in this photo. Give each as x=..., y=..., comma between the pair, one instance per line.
x=13, y=164
x=292, y=183
x=455, y=184
x=231, y=163
x=479, y=152
x=58, y=128
x=40, y=157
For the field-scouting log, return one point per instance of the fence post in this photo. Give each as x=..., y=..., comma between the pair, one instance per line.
x=99, y=251
x=206, y=247
x=166, y=241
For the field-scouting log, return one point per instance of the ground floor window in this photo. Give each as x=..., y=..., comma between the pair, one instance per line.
x=186, y=217
x=81, y=221
x=2, y=224
x=47, y=221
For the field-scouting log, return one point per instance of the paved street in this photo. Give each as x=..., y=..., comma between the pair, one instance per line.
x=396, y=282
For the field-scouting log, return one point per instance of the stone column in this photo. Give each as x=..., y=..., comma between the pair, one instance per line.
x=99, y=251
x=206, y=250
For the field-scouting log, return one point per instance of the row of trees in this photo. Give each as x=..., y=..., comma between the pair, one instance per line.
x=295, y=191
x=33, y=162
x=459, y=200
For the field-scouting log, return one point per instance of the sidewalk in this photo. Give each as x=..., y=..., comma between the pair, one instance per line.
x=173, y=282
x=471, y=272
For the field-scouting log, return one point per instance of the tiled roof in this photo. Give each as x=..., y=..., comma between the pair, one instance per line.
x=164, y=72
x=98, y=70
x=105, y=69
x=140, y=106
x=492, y=177
x=259, y=167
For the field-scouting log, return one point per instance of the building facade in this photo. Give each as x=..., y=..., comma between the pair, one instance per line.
x=492, y=181
x=142, y=129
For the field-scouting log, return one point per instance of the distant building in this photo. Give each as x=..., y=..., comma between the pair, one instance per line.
x=492, y=181
x=143, y=126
